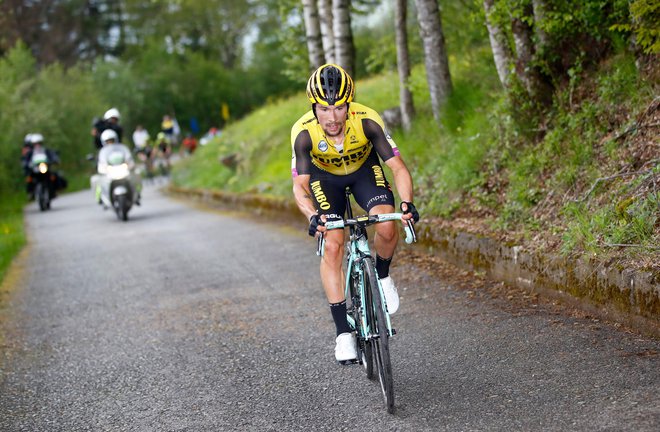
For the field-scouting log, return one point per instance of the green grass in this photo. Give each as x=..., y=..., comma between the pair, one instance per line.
x=476, y=144
x=12, y=235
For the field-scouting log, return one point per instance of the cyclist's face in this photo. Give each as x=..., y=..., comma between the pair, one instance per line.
x=332, y=118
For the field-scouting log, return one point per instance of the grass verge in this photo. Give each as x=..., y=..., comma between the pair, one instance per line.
x=12, y=233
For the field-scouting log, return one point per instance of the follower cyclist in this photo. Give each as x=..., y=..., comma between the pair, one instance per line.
x=339, y=144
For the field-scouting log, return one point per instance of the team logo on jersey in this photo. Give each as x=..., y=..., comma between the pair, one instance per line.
x=323, y=146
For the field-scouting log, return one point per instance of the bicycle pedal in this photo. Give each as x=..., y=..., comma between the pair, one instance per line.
x=393, y=331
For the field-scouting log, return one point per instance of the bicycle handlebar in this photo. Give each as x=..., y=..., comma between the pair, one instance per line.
x=367, y=220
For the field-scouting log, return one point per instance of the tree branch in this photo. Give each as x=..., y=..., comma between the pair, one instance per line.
x=602, y=179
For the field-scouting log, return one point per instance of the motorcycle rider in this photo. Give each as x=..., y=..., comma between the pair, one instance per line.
x=33, y=145
x=25, y=150
x=110, y=120
x=111, y=144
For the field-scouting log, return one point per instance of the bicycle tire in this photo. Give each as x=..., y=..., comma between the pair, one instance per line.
x=381, y=342
x=41, y=192
x=365, y=349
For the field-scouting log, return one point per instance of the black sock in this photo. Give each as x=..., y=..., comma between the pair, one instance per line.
x=383, y=266
x=338, y=311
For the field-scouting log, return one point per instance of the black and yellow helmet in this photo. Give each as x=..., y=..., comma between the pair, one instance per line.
x=330, y=85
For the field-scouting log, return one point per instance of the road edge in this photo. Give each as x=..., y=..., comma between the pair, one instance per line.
x=614, y=294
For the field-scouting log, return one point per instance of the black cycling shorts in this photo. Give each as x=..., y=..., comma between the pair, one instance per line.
x=368, y=185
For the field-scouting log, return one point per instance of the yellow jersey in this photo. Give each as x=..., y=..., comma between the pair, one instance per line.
x=364, y=131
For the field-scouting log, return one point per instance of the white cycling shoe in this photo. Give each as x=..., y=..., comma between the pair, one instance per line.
x=345, y=349
x=391, y=294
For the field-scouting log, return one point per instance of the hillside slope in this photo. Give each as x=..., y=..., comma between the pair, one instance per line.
x=583, y=184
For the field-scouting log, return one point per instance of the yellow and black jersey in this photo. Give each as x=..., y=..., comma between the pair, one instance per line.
x=364, y=130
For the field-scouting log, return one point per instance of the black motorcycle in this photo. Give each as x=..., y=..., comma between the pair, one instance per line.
x=43, y=179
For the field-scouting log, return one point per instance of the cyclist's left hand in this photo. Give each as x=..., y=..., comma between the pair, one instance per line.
x=409, y=211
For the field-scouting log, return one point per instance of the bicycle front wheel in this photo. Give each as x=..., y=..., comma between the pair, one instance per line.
x=380, y=343
x=365, y=350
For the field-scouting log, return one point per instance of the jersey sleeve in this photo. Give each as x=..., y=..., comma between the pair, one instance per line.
x=381, y=140
x=301, y=159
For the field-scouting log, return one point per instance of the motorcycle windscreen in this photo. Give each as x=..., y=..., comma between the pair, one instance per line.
x=116, y=158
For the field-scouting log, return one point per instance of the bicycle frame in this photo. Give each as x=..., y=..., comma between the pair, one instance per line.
x=358, y=249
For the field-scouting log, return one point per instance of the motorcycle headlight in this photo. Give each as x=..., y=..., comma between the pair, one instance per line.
x=118, y=171
x=43, y=168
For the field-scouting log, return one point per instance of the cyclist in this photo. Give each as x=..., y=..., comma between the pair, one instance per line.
x=338, y=143
x=163, y=148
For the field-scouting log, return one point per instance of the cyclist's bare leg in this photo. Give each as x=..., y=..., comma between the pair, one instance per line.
x=331, y=272
x=387, y=235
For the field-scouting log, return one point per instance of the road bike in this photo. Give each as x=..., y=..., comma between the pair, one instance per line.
x=366, y=305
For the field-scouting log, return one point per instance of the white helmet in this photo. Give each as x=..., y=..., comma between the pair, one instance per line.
x=112, y=112
x=109, y=134
x=28, y=139
x=36, y=138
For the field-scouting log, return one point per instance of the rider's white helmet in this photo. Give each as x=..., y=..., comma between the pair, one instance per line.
x=112, y=112
x=36, y=138
x=109, y=134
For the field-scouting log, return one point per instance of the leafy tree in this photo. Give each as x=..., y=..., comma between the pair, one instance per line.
x=643, y=25
x=63, y=31
x=212, y=27
x=52, y=101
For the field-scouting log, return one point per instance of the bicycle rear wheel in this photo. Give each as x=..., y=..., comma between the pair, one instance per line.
x=380, y=343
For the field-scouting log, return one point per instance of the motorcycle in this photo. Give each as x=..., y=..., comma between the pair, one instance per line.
x=120, y=187
x=44, y=180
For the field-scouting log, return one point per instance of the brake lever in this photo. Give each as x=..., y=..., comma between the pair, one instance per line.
x=411, y=236
x=320, y=243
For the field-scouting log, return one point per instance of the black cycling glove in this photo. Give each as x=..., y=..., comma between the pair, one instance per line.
x=314, y=222
x=410, y=209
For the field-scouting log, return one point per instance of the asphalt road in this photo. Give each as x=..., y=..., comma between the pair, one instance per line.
x=184, y=319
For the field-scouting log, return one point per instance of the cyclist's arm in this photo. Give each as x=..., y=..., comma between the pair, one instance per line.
x=389, y=154
x=300, y=170
x=384, y=145
x=303, y=195
x=402, y=178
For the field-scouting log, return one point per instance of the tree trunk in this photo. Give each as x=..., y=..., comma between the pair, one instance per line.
x=344, y=48
x=499, y=45
x=403, y=63
x=327, y=34
x=313, y=32
x=530, y=75
x=435, y=53
x=540, y=10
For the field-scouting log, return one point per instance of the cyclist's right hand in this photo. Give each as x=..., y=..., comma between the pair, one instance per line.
x=314, y=222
